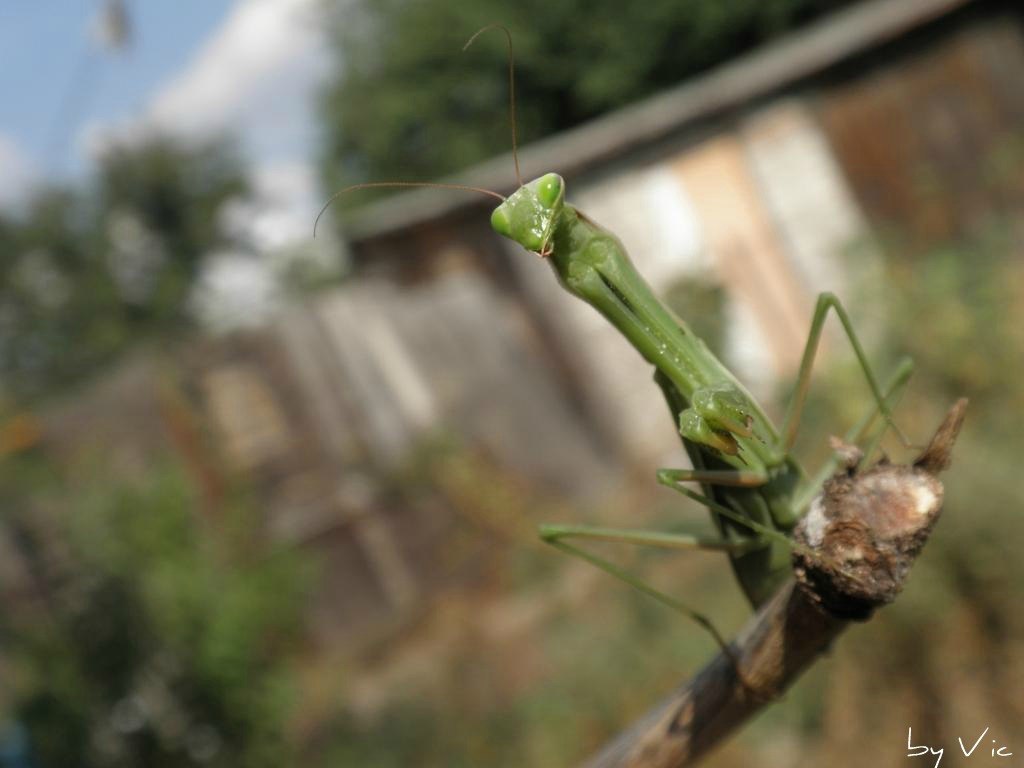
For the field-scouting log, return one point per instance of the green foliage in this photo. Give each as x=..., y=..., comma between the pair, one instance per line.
x=405, y=104
x=85, y=274
x=170, y=197
x=545, y=700
x=158, y=638
x=958, y=311
x=954, y=636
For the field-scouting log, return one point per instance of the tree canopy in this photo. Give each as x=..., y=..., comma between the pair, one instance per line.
x=405, y=104
x=151, y=639
x=84, y=273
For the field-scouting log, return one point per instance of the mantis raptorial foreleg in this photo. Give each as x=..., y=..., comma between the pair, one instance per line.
x=827, y=301
x=672, y=478
x=736, y=478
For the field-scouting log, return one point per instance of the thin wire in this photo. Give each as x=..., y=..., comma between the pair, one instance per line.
x=511, y=90
x=377, y=184
x=85, y=81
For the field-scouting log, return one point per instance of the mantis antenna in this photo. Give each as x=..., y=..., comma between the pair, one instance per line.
x=511, y=90
x=374, y=184
x=462, y=187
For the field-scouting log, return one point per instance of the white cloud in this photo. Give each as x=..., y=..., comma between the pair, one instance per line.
x=289, y=200
x=235, y=291
x=266, y=51
x=256, y=77
x=278, y=220
x=17, y=174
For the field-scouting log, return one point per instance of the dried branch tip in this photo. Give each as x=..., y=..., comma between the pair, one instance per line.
x=864, y=531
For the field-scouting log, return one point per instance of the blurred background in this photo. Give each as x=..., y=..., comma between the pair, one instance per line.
x=271, y=500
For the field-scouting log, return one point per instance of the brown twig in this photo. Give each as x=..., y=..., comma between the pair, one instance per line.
x=859, y=540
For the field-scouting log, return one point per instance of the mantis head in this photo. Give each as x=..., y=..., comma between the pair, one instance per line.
x=529, y=214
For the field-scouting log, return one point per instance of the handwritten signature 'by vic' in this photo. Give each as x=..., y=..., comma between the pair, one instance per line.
x=922, y=750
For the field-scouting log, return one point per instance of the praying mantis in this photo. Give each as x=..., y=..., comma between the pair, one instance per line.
x=754, y=488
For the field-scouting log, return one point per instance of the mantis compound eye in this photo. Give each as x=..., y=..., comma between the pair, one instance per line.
x=500, y=222
x=549, y=189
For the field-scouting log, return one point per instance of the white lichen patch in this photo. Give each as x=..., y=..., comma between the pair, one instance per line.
x=852, y=554
x=815, y=522
x=925, y=500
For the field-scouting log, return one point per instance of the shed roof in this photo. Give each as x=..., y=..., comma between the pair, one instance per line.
x=796, y=56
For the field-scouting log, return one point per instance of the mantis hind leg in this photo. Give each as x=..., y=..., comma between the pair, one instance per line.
x=827, y=301
x=555, y=535
x=892, y=391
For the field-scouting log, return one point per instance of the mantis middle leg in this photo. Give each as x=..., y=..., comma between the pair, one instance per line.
x=555, y=535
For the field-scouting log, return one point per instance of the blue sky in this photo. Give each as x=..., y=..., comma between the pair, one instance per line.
x=194, y=68
x=54, y=79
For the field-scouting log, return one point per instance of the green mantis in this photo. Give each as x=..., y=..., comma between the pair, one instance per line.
x=748, y=479
x=754, y=488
